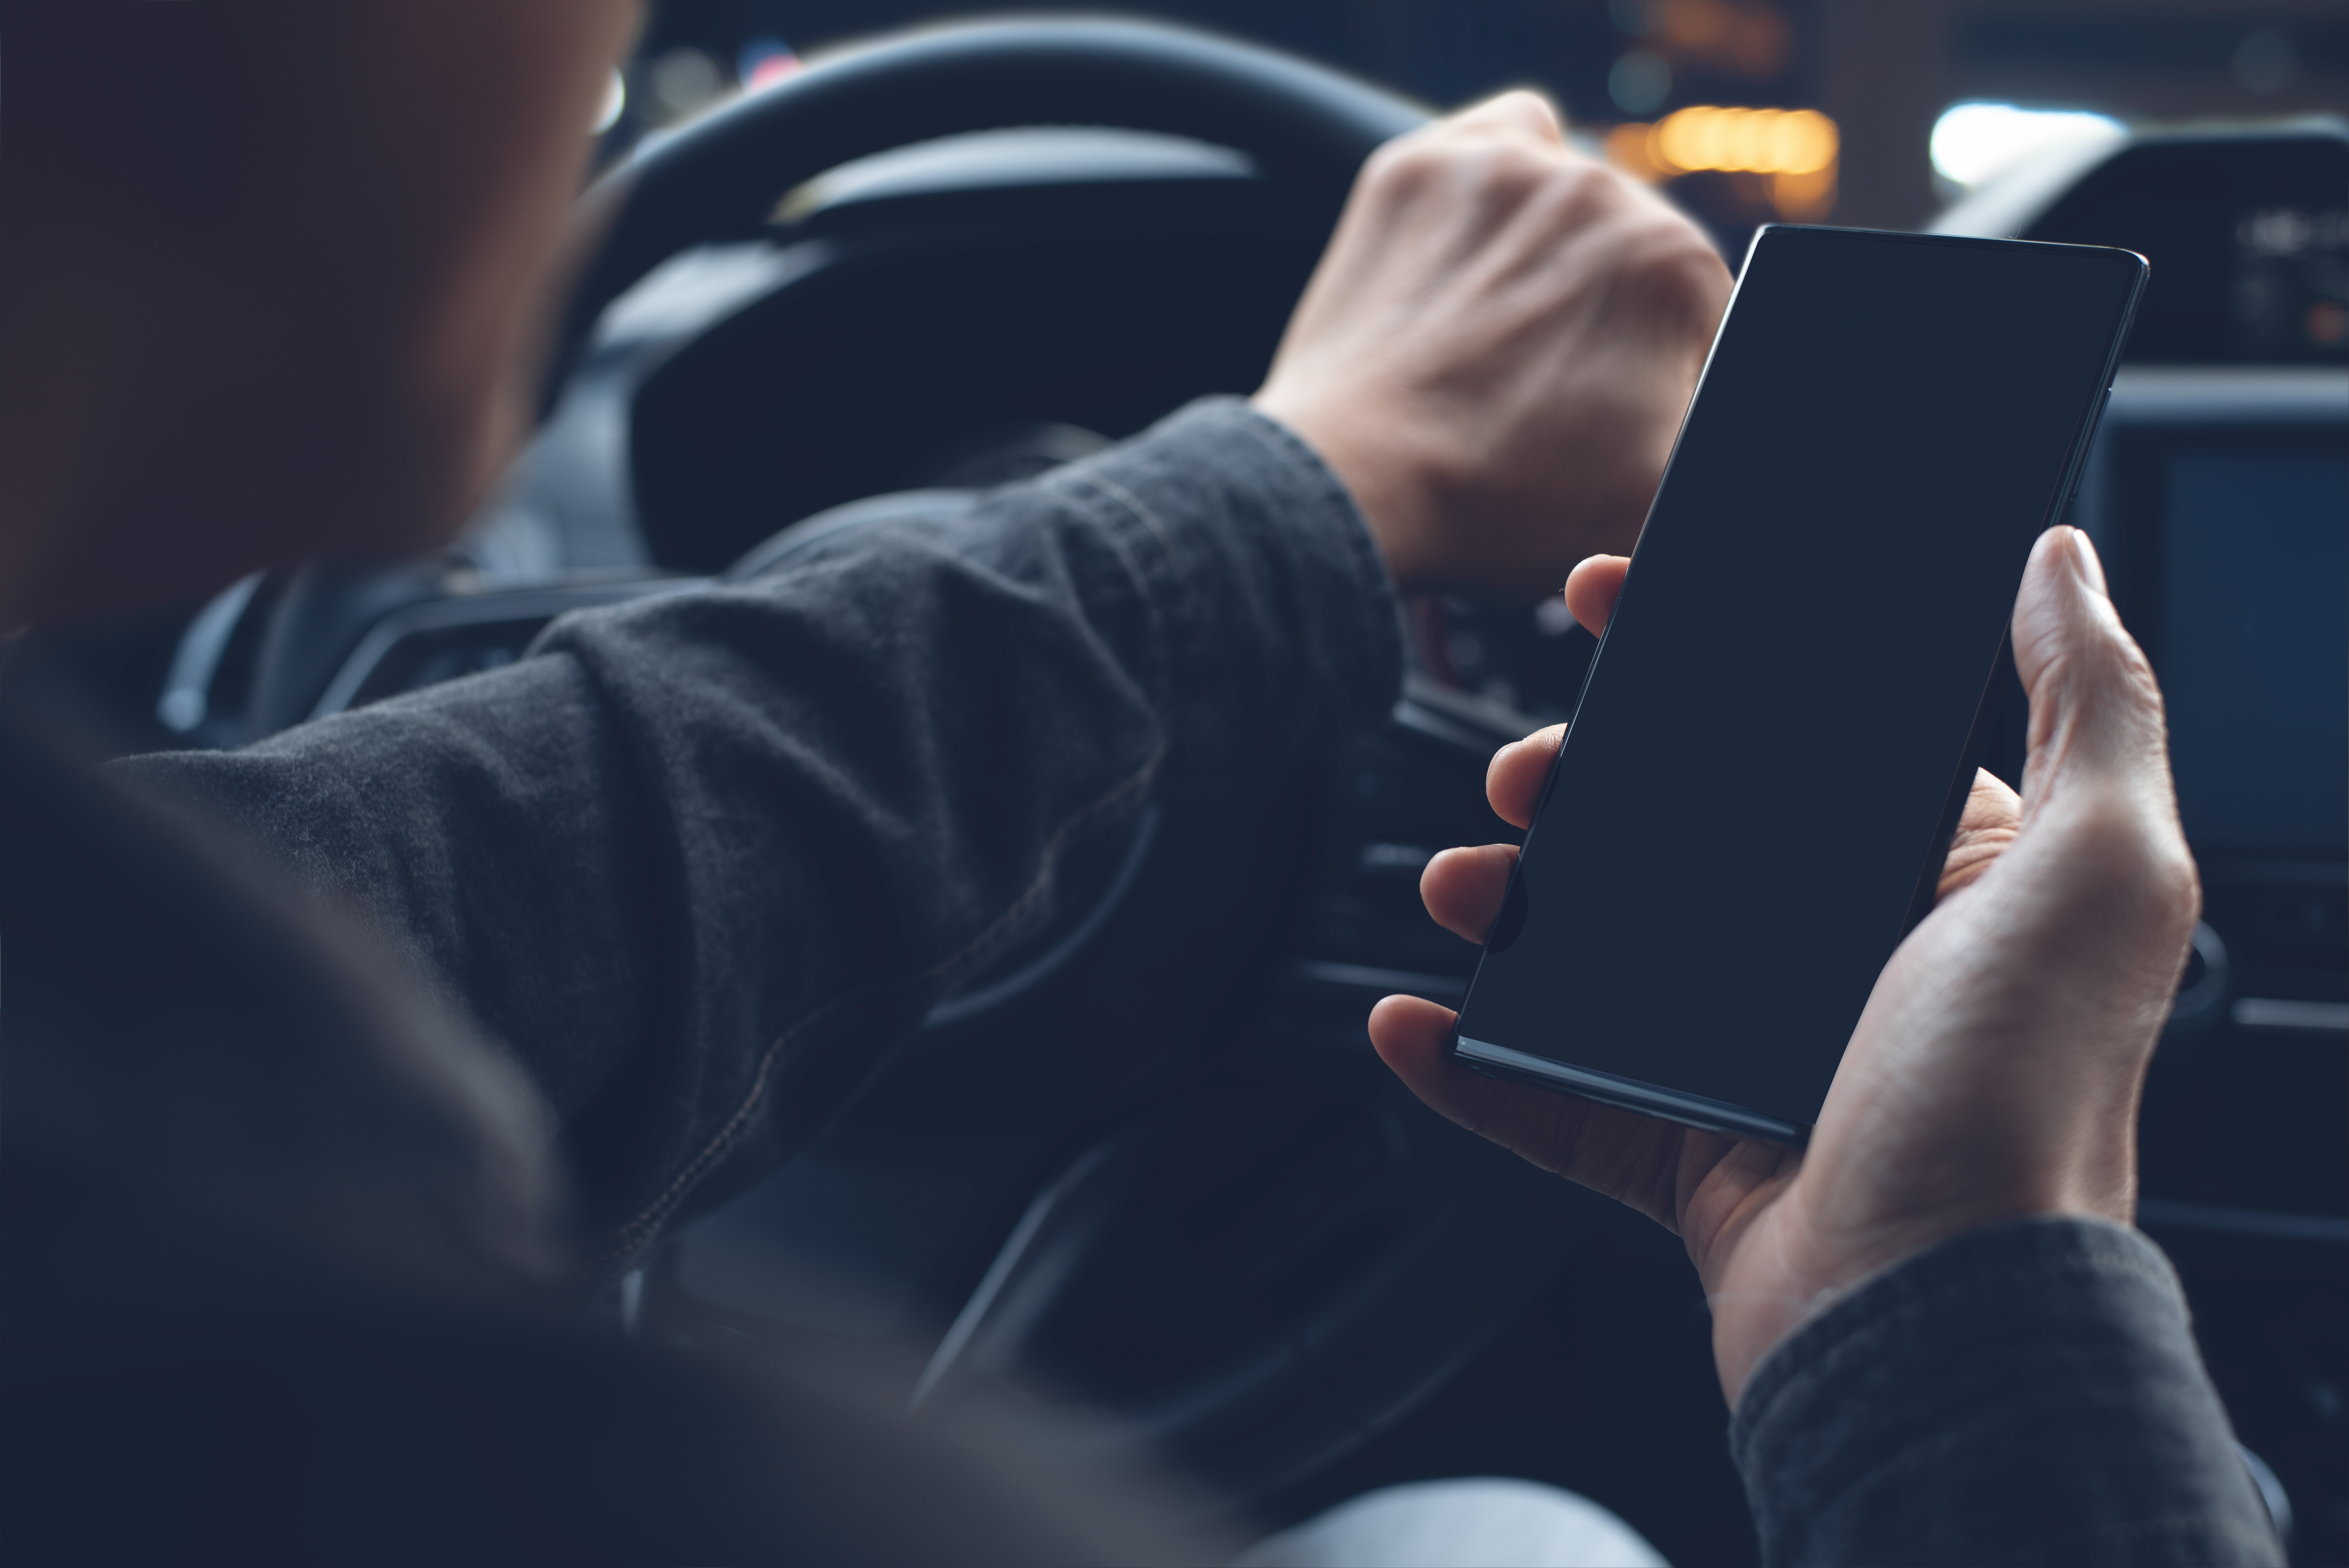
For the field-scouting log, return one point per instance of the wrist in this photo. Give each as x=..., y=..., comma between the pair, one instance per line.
x=1757, y=1309
x=1391, y=512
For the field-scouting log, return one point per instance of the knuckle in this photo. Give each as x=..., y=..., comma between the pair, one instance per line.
x=1483, y=167
x=1516, y=171
x=1519, y=112
x=1686, y=277
x=2121, y=857
x=1525, y=101
x=2177, y=883
x=1402, y=167
x=1577, y=196
x=1498, y=173
x=1678, y=254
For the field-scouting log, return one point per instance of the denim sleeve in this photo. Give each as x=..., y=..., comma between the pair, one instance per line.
x=700, y=860
x=2029, y=1393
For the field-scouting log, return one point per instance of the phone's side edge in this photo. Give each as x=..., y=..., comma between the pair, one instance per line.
x=1961, y=783
x=1626, y=1094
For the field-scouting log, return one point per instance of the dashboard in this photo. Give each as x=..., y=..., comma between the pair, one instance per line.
x=2220, y=499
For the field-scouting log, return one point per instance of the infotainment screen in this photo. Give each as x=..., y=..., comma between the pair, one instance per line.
x=2253, y=643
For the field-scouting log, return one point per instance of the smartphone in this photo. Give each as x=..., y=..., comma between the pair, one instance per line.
x=1778, y=731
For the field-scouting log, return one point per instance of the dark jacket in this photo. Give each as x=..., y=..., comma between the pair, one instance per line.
x=309, y=1168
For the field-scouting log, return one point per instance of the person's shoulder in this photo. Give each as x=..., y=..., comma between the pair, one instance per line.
x=214, y=1085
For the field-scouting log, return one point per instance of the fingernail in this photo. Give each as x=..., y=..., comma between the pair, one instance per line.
x=2085, y=562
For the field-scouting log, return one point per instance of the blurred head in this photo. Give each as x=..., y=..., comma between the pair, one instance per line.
x=273, y=276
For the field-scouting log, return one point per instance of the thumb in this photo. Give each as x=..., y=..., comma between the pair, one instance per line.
x=2097, y=724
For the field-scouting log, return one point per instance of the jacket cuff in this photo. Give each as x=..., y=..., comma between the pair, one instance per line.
x=2025, y=1393
x=1278, y=617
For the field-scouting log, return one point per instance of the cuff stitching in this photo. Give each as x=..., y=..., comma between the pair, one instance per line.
x=2049, y=1241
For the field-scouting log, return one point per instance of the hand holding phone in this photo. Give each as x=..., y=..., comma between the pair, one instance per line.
x=1995, y=1070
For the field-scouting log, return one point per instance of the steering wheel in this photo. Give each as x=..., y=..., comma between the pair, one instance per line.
x=1307, y=128
x=1248, y=1284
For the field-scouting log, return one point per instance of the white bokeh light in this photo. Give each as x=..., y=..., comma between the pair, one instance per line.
x=1976, y=142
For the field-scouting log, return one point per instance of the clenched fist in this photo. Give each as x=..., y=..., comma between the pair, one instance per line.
x=1496, y=349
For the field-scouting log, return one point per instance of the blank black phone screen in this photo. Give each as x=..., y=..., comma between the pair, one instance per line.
x=1779, y=725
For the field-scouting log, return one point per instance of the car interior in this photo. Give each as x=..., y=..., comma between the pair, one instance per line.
x=955, y=257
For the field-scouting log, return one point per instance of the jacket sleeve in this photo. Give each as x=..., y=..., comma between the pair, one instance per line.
x=2029, y=1393
x=701, y=857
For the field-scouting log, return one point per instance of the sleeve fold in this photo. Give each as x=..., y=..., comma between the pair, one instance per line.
x=2026, y=1392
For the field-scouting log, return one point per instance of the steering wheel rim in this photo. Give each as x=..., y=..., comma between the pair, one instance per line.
x=1307, y=127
